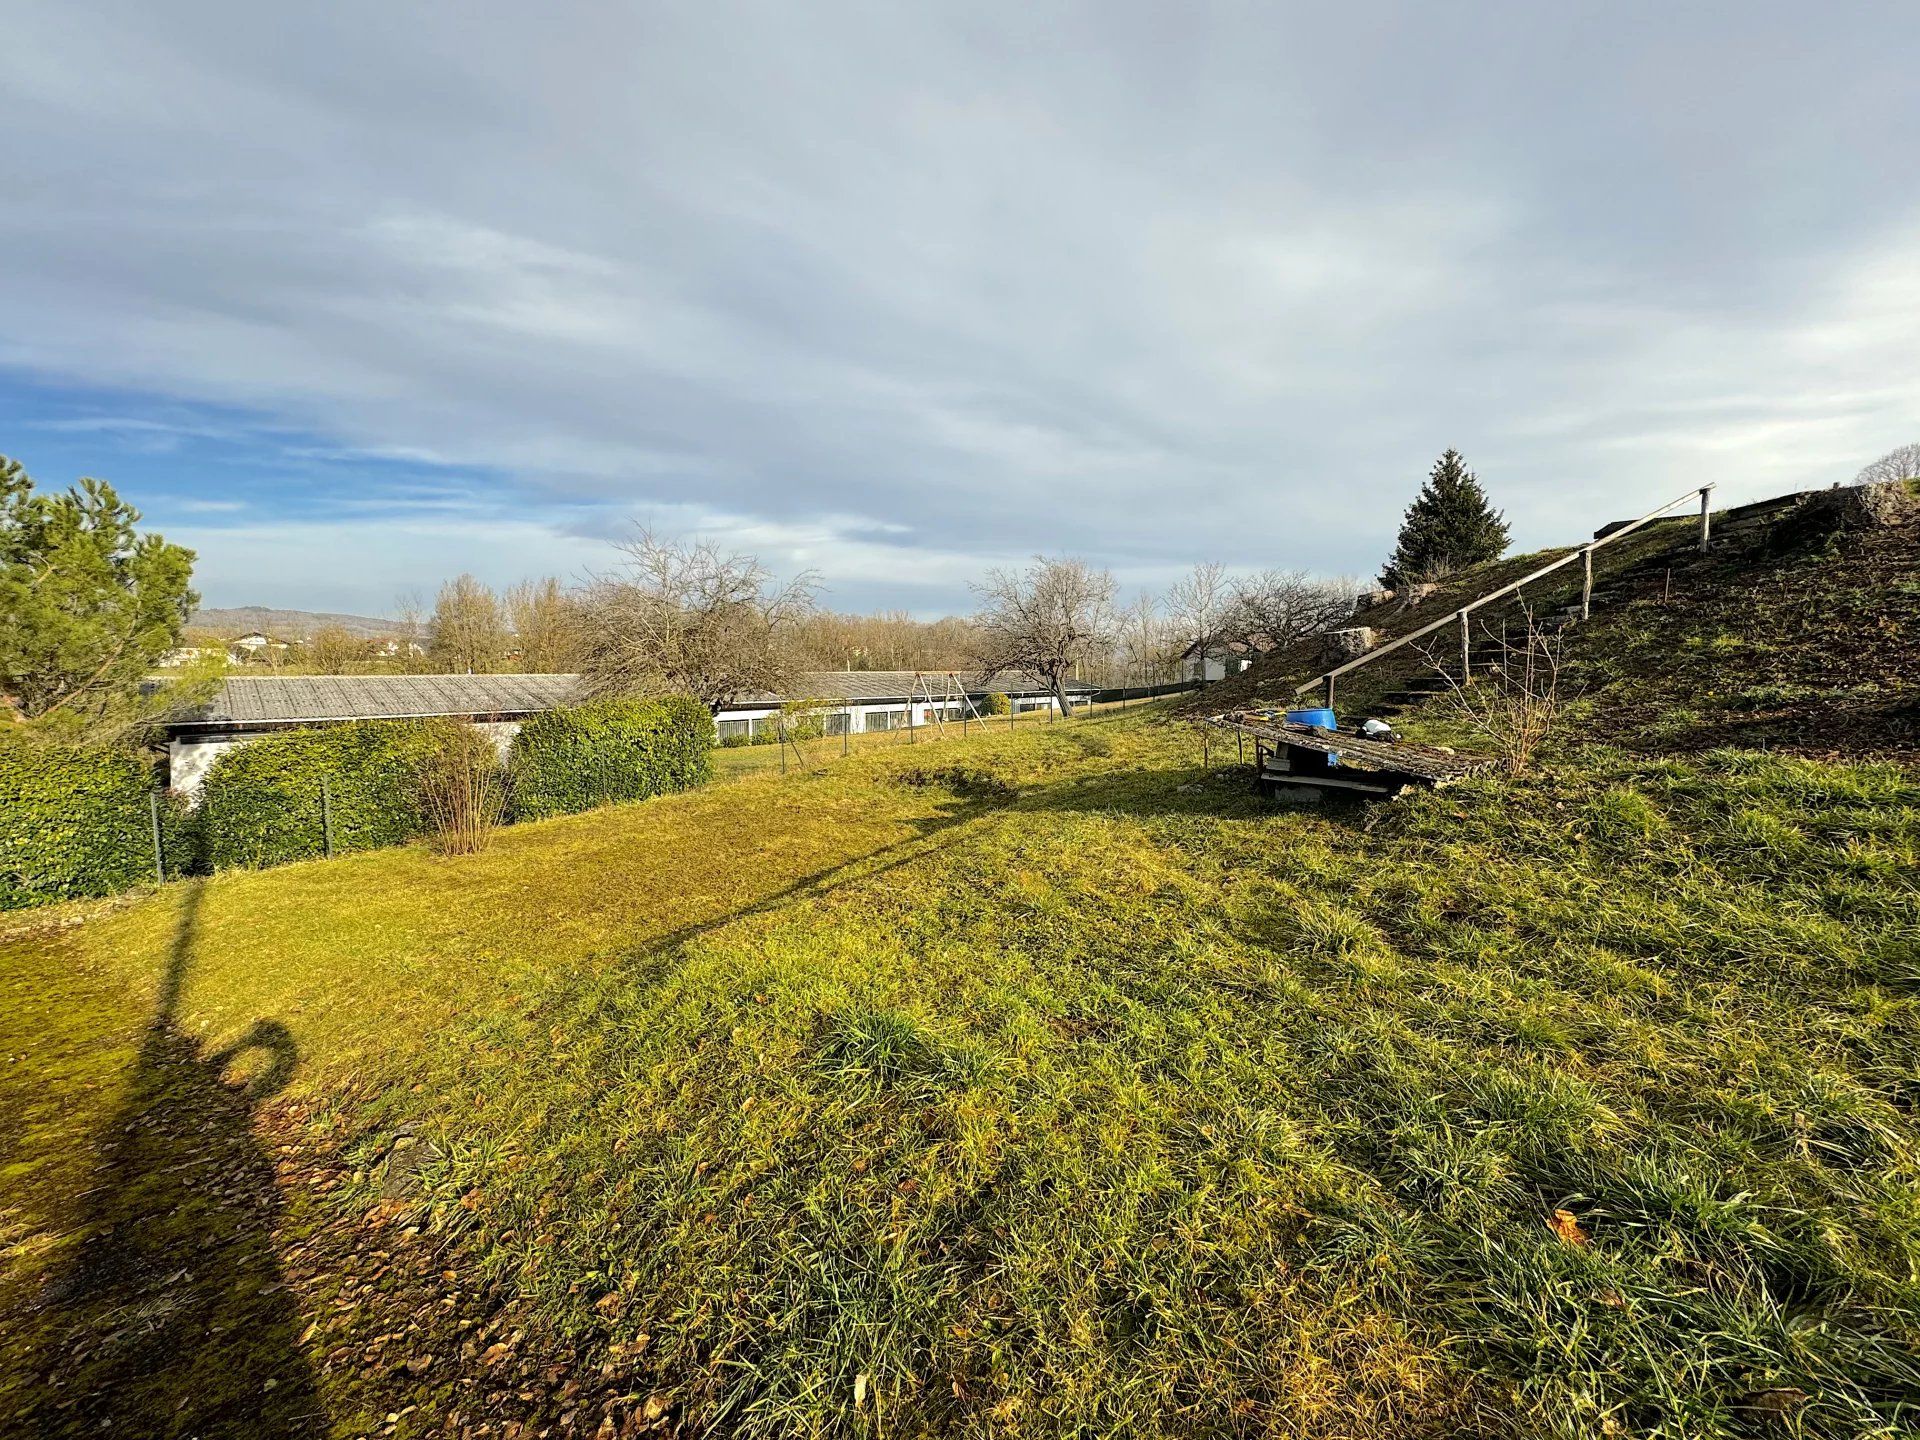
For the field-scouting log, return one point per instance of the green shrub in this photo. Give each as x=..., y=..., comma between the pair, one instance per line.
x=613, y=749
x=80, y=822
x=261, y=801
x=997, y=704
x=802, y=719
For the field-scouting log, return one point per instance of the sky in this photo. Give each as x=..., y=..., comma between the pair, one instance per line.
x=354, y=297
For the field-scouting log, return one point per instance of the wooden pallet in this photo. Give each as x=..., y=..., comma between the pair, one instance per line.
x=1307, y=763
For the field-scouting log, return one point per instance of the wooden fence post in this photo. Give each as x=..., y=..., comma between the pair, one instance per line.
x=1706, y=524
x=1466, y=647
x=1586, y=588
x=1329, y=692
x=159, y=849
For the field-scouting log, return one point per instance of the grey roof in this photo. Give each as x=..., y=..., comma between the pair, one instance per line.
x=296, y=699
x=900, y=685
x=283, y=698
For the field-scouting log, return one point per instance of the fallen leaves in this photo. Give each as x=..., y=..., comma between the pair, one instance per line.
x=1566, y=1226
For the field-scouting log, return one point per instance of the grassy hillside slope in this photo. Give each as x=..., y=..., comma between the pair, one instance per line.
x=1037, y=1084
x=1666, y=620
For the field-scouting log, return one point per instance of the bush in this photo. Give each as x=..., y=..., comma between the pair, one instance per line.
x=261, y=802
x=613, y=749
x=463, y=789
x=997, y=704
x=80, y=822
x=803, y=720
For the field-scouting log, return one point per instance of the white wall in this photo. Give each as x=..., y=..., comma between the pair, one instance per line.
x=189, y=760
x=862, y=712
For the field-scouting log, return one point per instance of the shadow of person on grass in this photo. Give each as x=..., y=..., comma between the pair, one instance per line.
x=174, y=1318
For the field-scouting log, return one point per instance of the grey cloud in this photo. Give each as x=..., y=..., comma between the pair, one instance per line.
x=1148, y=282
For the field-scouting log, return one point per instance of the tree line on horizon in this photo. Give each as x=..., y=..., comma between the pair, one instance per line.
x=89, y=605
x=743, y=632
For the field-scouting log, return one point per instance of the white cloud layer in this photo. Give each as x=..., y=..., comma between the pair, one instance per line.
x=900, y=291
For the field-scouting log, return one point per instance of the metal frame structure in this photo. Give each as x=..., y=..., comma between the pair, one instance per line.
x=1463, y=615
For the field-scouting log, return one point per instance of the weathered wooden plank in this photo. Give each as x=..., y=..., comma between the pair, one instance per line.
x=1355, y=751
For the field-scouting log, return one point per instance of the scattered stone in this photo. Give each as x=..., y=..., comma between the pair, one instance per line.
x=1339, y=646
x=400, y=1176
x=1826, y=513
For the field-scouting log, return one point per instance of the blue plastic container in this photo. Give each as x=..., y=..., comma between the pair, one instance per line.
x=1322, y=718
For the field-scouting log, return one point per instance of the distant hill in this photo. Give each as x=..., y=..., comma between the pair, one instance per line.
x=291, y=624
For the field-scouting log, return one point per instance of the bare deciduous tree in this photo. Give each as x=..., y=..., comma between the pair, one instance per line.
x=1515, y=703
x=410, y=641
x=332, y=650
x=891, y=640
x=1143, y=643
x=1274, y=608
x=468, y=632
x=689, y=617
x=1196, y=607
x=1044, y=620
x=545, y=621
x=1901, y=464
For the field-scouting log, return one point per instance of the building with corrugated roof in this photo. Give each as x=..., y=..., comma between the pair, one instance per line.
x=248, y=707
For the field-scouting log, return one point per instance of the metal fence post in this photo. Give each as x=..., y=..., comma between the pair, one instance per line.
x=1586, y=588
x=159, y=849
x=1466, y=646
x=326, y=816
x=1706, y=524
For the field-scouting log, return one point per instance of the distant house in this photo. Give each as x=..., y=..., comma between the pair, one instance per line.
x=255, y=646
x=248, y=707
x=187, y=654
x=1220, y=658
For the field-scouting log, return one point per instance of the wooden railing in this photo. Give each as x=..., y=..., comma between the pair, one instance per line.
x=1464, y=614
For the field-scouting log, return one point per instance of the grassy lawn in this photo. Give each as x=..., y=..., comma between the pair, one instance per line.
x=1038, y=1083
x=736, y=762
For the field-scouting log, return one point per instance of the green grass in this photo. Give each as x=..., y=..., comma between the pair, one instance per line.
x=1043, y=1084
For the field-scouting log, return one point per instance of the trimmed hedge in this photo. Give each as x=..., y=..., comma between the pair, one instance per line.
x=260, y=804
x=615, y=749
x=80, y=822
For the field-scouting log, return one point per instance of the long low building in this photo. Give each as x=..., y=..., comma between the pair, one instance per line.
x=248, y=707
x=855, y=701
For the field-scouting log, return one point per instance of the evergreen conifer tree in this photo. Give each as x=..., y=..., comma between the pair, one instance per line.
x=1449, y=526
